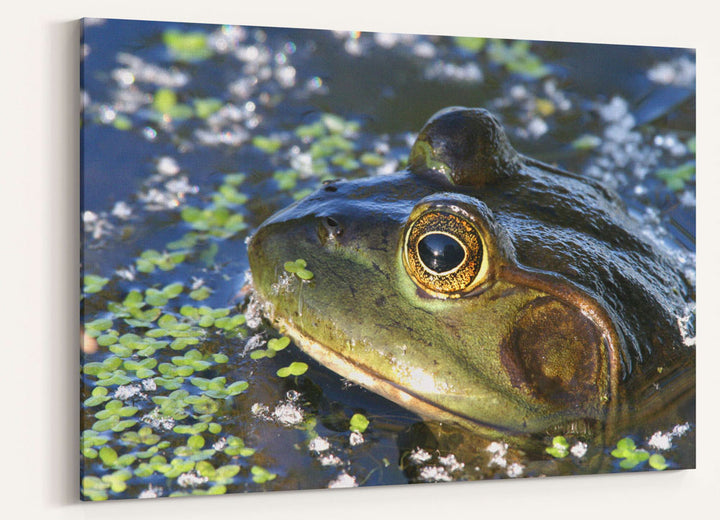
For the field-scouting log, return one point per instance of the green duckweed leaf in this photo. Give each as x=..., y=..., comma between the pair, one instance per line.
x=304, y=274
x=286, y=179
x=298, y=267
x=634, y=459
x=108, y=456
x=470, y=43
x=191, y=429
x=93, y=283
x=628, y=451
x=657, y=462
x=675, y=178
x=182, y=343
x=296, y=368
x=266, y=144
x=144, y=470
x=230, y=322
x=260, y=353
x=625, y=448
x=89, y=453
x=200, y=294
x=225, y=474
x=237, y=387
x=196, y=442
x=164, y=100
x=206, y=107
x=260, y=475
x=99, y=325
x=105, y=340
x=372, y=159
x=187, y=46
x=359, y=423
x=278, y=344
x=586, y=142
x=559, y=448
x=172, y=290
x=122, y=122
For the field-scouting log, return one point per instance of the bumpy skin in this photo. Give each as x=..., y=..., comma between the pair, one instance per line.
x=570, y=312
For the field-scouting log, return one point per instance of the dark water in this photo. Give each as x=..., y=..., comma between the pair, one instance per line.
x=172, y=113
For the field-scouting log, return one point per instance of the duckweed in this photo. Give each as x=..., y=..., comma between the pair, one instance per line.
x=586, y=142
x=187, y=46
x=470, y=43
x=260, y=353
x=298, y=267
x=657, y=462
x=261, y=475
x=278, y=344
x=201, y=293
x=296, y=368
x=165, y=105
x=217, y=221
x=286, y=179
x=629, y=453
x=559, y=448
x=516, y=57
x=372, y=159
x=267, y=144
x=359, y=423
x=151, y=259
x=676, y=178
x=236, y=446
x=93, y=283
x=204, y=108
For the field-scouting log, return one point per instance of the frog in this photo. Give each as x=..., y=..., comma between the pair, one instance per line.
x=480, y=287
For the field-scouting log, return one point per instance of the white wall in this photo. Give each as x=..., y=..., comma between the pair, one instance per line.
x=38, y=294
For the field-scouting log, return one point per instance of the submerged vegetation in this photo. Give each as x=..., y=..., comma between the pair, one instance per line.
x=184, y=389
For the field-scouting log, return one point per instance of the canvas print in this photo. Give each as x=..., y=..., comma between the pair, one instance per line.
x=328, y=259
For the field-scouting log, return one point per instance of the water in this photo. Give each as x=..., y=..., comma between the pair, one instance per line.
x=180, y=116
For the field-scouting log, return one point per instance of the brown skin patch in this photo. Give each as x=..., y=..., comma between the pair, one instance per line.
x=555, y=353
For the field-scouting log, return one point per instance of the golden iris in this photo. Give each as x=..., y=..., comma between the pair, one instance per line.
x=443, y=253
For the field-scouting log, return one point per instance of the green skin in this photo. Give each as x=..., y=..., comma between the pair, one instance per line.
x=574, y=312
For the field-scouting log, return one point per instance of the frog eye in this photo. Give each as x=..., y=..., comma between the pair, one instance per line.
x=444, y=254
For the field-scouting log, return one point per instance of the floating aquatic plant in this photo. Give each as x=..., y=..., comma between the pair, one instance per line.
x=187, y=46
x=559, y=448
x=359, y=423
x=296, y=368
x=93, y=283
x=470, y=43
x=676, y=178
x=629, y=453
x=298, y=267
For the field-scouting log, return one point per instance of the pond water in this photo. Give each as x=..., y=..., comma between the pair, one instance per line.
x=193, y=135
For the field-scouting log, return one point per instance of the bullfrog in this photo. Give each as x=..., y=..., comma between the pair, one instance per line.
x=480, y=287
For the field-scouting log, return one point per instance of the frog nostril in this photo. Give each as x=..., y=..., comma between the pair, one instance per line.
x=331, y=226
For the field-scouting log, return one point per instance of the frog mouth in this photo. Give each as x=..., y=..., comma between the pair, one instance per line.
x=372, y=381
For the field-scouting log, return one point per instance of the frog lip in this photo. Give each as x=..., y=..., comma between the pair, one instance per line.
x=369, y=379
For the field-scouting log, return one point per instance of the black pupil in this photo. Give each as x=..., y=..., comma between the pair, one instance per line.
x=440, y=253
